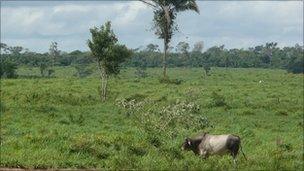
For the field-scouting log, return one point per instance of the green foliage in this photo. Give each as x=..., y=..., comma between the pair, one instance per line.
x=141, y=72
x=296, y=63
x=83, y=70
x=8, y=68
x=54, y=53
x=218, y=100
x=2, y=107
x=206, y=67
x=262, y=56
x=59, y=123
x=167, y=80
x=108, y=54
x=105, y=49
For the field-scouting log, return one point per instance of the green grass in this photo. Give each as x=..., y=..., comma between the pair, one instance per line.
x=60, y=123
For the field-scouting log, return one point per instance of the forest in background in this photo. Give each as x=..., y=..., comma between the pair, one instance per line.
x=262, y=56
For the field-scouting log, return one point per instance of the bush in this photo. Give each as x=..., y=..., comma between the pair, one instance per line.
x=296, y=65
x=132, y=103
x=180, y=114
x=8, y=69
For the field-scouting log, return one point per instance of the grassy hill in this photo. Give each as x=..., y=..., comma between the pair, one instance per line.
x=61, y=123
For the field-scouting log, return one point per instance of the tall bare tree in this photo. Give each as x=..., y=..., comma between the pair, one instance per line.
x=165, y=12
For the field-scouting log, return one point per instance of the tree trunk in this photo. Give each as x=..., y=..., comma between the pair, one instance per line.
x=166, y=38
x=104, y=82
x=165, y=59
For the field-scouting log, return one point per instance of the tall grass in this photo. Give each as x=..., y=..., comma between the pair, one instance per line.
x=60, y=123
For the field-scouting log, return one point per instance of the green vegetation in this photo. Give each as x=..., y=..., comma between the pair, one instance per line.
x=59, y=122
x=108, y=54
x=262, y=56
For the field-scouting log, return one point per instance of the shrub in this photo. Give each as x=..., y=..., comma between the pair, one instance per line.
x=133, y=103
x=181, y=114
x=8, y=69
x=296, y=64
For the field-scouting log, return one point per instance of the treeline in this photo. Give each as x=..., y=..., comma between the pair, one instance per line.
x=262, y=56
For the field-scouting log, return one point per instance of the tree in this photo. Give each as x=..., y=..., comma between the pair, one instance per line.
x=4, y=48
x=107, y=53
x=198, y=47
x=165, y=12
x=268, y=52
x=296, y=62
x=8, y=68
x=15, y=50
x=152, y=47
x=44, y=63
x=183, y=49
x=54, y=54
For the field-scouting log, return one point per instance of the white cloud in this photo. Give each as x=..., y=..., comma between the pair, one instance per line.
x=235, y=24
x=131, y=12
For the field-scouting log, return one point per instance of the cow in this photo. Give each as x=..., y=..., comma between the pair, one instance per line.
x=207, y=144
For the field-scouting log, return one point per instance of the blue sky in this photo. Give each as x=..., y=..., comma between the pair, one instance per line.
x=236, y=24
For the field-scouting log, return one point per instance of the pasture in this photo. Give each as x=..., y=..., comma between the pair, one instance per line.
x=61, y=123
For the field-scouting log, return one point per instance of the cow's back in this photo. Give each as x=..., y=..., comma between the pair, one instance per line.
x=216, y=144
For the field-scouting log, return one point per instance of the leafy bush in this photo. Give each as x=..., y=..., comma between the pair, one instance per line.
x=296, y=65
x=8, y=69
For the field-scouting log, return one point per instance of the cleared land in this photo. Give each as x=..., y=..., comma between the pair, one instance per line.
x=60, y=122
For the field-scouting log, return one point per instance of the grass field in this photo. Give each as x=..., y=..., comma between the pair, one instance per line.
x=60, y=122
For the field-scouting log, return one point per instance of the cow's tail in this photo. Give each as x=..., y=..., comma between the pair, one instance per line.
x=243, y=151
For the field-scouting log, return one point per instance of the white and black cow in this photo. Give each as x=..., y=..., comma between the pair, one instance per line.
x=206, y=145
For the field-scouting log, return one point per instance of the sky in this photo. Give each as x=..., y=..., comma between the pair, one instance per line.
x=235, y=24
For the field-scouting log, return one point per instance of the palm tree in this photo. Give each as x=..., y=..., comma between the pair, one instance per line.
x=165, y=12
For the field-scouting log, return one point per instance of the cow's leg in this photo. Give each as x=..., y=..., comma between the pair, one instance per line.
x=235, y=161
x=233, y=145
x=204, y=154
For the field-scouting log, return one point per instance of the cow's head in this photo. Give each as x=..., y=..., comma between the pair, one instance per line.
x=187, y=145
